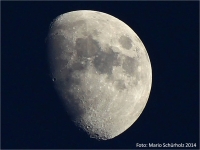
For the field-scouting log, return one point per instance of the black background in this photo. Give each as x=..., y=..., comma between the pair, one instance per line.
x=32, y=115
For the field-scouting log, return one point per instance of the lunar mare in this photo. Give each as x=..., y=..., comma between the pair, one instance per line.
x=101, y=71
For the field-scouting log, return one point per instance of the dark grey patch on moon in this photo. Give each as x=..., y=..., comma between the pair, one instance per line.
x=95, y=33
x=78, y=65
x=86, y=47
x=130, y=65
x=104, y=61
x=120, y=85
x=125, y=42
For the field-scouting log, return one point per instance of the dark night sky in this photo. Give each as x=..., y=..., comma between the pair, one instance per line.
x=32, y=115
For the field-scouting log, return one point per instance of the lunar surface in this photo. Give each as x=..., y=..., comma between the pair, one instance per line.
x=101, y=71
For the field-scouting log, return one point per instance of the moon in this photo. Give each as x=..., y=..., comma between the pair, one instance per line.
x=100, y=69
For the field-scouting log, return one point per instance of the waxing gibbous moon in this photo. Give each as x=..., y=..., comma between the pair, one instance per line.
x=101, y=71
